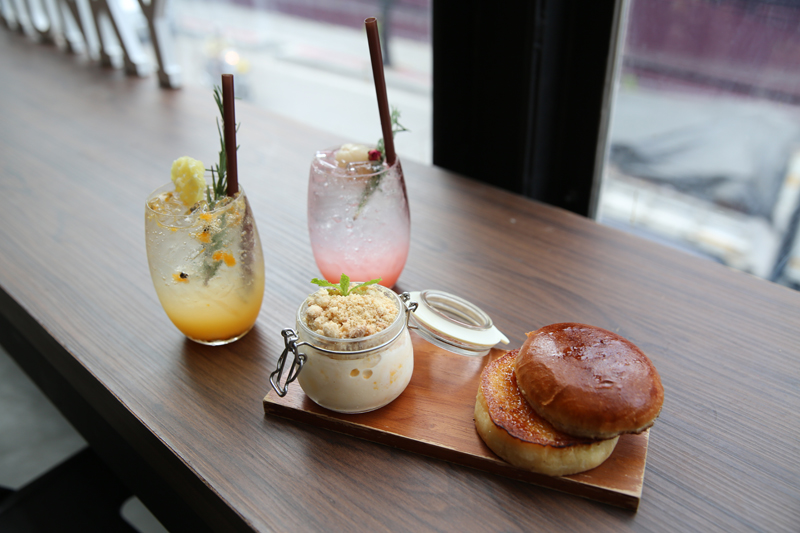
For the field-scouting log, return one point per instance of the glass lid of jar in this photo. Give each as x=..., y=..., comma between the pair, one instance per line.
x=453, y=323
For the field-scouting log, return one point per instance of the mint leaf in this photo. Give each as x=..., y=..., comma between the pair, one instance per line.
x=363, y=287
x=343, y=287
x=324, y=283
x=344, y=284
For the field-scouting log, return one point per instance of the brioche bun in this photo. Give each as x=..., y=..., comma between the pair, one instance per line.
x=588, y=382
x=512, y=429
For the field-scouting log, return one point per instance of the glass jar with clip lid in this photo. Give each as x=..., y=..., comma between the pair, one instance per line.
x=357, y=375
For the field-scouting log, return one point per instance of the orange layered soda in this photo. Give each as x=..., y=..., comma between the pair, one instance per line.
x=206, y=263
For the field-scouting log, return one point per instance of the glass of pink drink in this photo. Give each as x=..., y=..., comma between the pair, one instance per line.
x=358, y=217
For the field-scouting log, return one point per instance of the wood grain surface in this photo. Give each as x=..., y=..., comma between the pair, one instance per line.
x=81, y=147
x=434, y=416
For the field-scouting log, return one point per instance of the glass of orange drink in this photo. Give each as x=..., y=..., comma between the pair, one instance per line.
x=206, y=263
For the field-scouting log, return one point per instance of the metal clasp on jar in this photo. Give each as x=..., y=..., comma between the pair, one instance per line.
x=292, y=345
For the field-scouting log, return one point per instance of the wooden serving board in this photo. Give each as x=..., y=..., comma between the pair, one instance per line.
x=434, y=417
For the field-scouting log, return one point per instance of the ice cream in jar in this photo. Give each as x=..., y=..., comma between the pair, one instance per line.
x=359, y=355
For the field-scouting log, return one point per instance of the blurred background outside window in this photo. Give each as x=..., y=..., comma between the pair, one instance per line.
x=309, y=60
x=704, y=141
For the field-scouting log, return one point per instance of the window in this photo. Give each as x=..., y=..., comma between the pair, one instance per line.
x=704, y=143
x=309, y=60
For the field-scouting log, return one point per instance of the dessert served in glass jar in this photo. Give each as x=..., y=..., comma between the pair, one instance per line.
x=359, y=355
x=352, y=351
x=204, y=250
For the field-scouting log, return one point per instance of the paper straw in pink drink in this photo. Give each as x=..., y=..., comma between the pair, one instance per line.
x=380, y=88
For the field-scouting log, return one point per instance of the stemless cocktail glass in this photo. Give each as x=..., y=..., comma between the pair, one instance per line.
x=207, y=266
x=358, y=219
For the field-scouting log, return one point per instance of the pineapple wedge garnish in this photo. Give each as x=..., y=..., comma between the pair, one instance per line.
x=190, y=182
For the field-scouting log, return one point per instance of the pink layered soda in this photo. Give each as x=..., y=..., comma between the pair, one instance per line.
x=358, y=218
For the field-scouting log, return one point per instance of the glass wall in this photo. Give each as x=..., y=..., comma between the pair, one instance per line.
x=309, y=60
x=704, y=142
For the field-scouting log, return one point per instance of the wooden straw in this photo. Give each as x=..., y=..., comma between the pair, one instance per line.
x=229, y=125
x=380, y=87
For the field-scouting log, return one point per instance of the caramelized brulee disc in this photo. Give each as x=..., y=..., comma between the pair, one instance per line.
x=511, y=428
x=511, y=411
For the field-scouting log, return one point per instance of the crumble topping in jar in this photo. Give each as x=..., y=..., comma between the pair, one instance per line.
x=349, y=317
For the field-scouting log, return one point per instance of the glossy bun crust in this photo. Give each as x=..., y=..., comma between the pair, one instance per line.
x=588, y=382
x=512, y=429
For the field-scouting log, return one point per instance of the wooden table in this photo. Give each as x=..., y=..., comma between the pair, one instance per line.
x=183, y=424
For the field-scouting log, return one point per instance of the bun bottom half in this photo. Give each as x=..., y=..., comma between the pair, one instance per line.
x=539, y=458
x=511, y=428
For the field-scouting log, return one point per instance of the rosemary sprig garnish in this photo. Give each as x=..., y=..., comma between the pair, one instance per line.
x=210, y=265
x=217, y=192
x=375, y=181
x=219, y=178
x=396, y=128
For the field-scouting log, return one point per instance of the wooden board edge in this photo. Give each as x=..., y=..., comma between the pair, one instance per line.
x=623, y=499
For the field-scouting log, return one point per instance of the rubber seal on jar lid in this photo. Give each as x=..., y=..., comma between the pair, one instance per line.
x=454, y=324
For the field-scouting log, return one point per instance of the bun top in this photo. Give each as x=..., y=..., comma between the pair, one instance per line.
x=588, y=382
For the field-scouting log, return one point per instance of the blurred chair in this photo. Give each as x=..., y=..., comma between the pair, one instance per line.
x=107, y=30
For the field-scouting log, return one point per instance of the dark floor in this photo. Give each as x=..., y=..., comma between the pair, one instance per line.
x=35, y=438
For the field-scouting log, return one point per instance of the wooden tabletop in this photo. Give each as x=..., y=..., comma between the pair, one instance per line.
x=81, y=147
